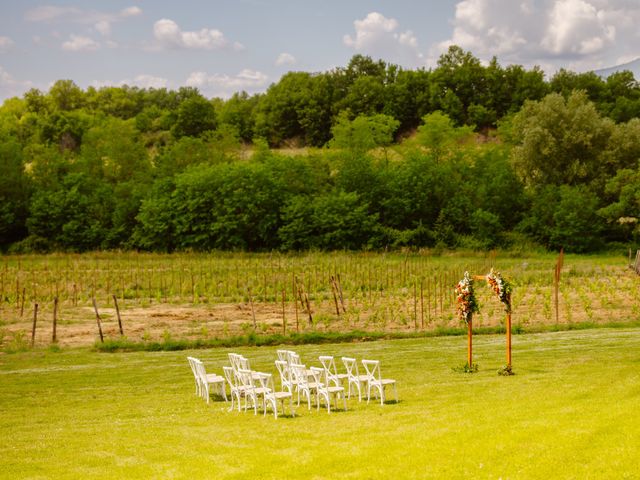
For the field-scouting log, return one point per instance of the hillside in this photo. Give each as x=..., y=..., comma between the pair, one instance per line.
x=633, y=67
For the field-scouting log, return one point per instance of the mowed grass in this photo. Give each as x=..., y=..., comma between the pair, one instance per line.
x=571, y=411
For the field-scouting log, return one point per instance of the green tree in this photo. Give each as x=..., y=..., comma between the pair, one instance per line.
x=363, y=133
x=560, y=141
x=14, y=192
x=195, y=116
x=439, y=134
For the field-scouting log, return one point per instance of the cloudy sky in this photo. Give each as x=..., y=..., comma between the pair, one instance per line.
x=223, y=46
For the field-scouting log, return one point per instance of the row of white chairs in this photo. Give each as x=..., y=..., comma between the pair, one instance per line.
x=204, y=380
x=258, y=389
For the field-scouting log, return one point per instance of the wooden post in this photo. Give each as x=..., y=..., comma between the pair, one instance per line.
x=509, y=340
x=556, y=283
x=284, y=320
x=422, y=303
x=295, y=304
x=470, y=342
x=35, y=320
x=95, y=308
x=341, y=297
x=253, y=312
x=24, y=294
x=115, y=301
x=54, y=338
x=334, y=289
x=415, y=305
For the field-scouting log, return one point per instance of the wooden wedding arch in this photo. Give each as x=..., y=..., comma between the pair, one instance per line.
x=502, y=289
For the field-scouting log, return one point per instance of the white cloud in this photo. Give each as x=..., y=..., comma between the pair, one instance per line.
x=285, y=59
x=78, y=43
x=575, y=34
x=5, y=43
x=142, y=81
x=103, y=27
x=100, y=21
x=170, y=35
x=224, y=85
x=50, y=13
x=130, y=12
x=10, y=87
x=53, y=13
x=378, y=36
x=577, y=27
x=150, y=81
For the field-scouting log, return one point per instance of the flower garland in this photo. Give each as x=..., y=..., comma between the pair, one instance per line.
x=466, y=303
x=501, y=287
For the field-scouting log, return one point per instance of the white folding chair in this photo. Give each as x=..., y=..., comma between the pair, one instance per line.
x=237, y=390
x=331, y=373
x=283, y=355
x=286, y=382
x=252, y=392
x=207, y=379
x=325, y=390
x=195, y=374
x=303, y=385
x=272, y=396
x=353, y=376
x=375, y=380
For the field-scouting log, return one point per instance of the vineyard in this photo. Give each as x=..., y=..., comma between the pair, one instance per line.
x=76, y=299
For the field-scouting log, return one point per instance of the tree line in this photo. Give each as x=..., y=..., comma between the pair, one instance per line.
x=459, y=155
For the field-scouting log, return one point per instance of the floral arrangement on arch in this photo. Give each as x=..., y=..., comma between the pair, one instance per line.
x=466, y=303
x=501, y=287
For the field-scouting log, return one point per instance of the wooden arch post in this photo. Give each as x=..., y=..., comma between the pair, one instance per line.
x=508, y=331
x=470, y=341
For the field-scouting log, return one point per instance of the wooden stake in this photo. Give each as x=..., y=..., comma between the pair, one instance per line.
x=422, y=303
x=284, y=320
x=340, y=296
x=508, y=340
x=334, y=289
x=253, y=312
x=115, y=301
x=54, y=338
x=295, y=304
x=35, y=320
x=24, y=291
x=95, y=308
x=415, y=305
x=469, y=343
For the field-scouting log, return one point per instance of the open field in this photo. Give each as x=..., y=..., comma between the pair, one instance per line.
x=204, y=296
x=569, y=412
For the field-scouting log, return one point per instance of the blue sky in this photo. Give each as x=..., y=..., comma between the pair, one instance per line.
x=223, y=46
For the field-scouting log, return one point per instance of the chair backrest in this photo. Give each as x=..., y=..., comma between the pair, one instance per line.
x=200, y=370
x=193, y=367
x=246, y=380
x=352, y=367
x=243, y=363
x=330, y=370
x=317, y=374
x=283, y=355
x=299, y=374
x=285, y=374
x=293, y=358
x=233, y=360
x=372, y=368
x=230, y=376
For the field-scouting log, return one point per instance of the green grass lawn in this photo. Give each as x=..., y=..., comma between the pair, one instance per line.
x=571, y=411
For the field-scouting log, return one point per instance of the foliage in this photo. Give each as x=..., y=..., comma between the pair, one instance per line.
x=466, y=303
x=501, y=288
x=412, y=160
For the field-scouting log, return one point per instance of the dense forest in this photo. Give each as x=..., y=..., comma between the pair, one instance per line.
x=369, y=156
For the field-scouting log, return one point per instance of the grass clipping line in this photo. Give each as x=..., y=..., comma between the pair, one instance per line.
x=123, y=344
